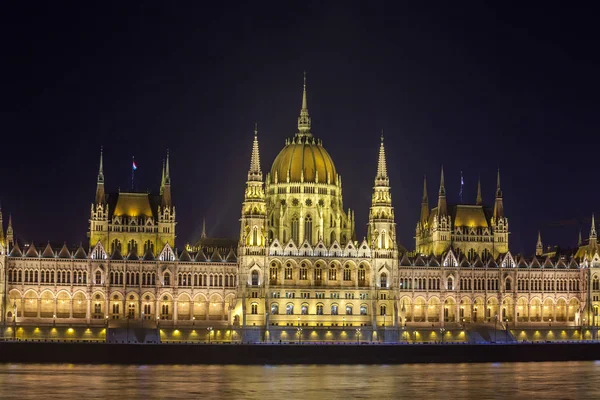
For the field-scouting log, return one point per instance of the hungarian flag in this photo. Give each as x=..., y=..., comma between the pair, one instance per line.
x=134, y=166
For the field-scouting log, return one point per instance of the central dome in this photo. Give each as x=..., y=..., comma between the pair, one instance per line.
x=305, y=159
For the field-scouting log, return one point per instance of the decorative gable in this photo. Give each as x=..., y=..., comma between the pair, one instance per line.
x=167, y=254
x=98, y=253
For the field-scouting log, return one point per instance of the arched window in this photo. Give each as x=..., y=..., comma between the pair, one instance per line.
x=274, y=309
x=254, y=278
x=382, y=310
x=383, y=240
x=383, y=279
x=295, y=230
x=450, y=285
x=485, y=255
x=308, y=229
x=333, y=237
x=289, y=309
x=167, y=279
x=471, y=254
x=363, y=310
x=98, y=278
x=361, y=274
x=347, y=273
x=349, y=309
x=255, y=237
x=115, y=245
x=508, y=284
x=595, y=283
x=304, y=309
x=334, y=309
x=254, y=308
x=319, y=309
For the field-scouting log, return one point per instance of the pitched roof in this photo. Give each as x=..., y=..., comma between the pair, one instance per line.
x=200, y=256
x=133, y=255
x=80, y=254
x=48, y=252
x=32, y=251
x=216, y=256
x=185, y=256
x=116, y=255
x=16, y=251
x=231, y=257
x=64, y=252
x=149, y=255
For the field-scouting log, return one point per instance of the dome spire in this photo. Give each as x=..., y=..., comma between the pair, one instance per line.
x=304, y=118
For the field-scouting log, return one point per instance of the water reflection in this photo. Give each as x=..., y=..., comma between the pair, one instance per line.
x=565, y=380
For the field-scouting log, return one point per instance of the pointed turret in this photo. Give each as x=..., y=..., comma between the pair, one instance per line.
x=424, y=204
x=166, y=192
x=2, y=241
x=498, y=205
x=382, y=178
x=304, y=118
x=593, y=234
x=479, y=200
x=579, y=241
x=10, y=235
x=203, y=234
x=442, y=207
x=539, y=248
x=162, y=180
x=255, y=173
x=100, y=198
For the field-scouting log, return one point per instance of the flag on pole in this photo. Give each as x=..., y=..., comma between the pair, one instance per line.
x=134, y=166
x=462, y=182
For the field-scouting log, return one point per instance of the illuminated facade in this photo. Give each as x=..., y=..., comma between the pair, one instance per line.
x=297, y=262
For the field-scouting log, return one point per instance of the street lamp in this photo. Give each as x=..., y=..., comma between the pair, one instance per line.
x=15, y=319
x=357, y=335
x=495, y=326
x=193, y=321
x=442, y=330
x=209, y=329
x=550, y=321
x=142, y=320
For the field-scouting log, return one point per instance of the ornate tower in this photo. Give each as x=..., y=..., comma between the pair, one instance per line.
x=479, y=200
x=382, y=228
x=499, y=223
x=593, y=242
x=166, y=211
x=442, y=227
x=10, y=235
x=539, y=248
x=253, y=239
x=99, y=229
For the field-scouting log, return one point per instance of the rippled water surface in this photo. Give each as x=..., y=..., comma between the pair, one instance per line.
x=564, y=380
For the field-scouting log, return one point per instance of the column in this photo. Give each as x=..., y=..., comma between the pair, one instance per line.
x=175, y=310
x=55, y=301
x=39, y=307
x=208, y=308
x=515, y=318
x=529, y=311
x=71, y=308
x=88, y=312
x=223, y=312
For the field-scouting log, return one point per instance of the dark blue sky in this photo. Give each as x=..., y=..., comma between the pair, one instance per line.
x=472, y=88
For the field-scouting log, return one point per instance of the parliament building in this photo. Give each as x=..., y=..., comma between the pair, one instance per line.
x=297, y=270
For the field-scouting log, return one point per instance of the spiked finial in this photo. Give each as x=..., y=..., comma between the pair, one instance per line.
x=382, y=178
x=167, y=173
x=255, y=173
x=539, y=248
x=424, y=189
x=498, y=191
x=101, y=169
x=203, y=235
x=479, y=200
x=442, y=191
x=593, y=229
x=304, y=118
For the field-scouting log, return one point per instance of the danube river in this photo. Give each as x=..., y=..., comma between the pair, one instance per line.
x=558, y=380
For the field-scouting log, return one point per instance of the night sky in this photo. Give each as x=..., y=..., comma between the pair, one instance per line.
x=473, y=89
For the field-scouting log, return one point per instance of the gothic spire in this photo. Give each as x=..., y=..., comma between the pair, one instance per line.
x=166, y=185
x=442, y=191
x=539, y=248
x=593, y=234
x=167, y=173
x=579, y=241
x=162, y=179
x=1, y=227
x=10, y=238
x=424, y=204
x=382, y=178
x=100, y=181
x=479, y=200
x=498, y=205
x=304, y=118
x=203, y=234
x=255, y=173
x=442, y=207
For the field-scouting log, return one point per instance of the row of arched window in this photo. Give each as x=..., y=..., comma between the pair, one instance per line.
x=46, y=277
x=419, y=283
x=219, y=280
x=304, y=309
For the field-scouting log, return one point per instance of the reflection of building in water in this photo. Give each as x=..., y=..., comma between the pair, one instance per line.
x=298, y=262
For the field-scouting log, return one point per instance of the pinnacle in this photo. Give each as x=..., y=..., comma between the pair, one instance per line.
x=254, y=173
x=382, y=174
x=304, y=118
